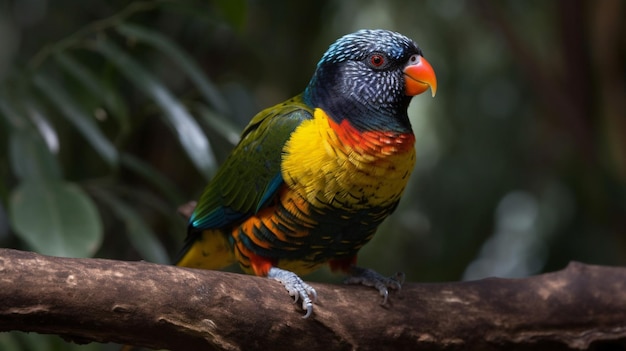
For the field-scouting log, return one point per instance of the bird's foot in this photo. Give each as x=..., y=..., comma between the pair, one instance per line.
x=368, y=277
x=296, y=288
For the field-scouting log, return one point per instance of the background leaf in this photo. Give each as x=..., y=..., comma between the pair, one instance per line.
x=187, y=129
x=30, y=157
x=55, y=218
x=9, y=342
x=153, y=177
x=140, y=235
x=208, y=90
x=83, y=122
x=224, y=128
x=235, y=12
x=95, y=85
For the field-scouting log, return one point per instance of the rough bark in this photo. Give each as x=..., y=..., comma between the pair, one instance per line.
x=157, y=306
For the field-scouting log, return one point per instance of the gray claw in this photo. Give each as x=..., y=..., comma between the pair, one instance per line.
x=371, y=278
x=296, y=288
x=309, y=310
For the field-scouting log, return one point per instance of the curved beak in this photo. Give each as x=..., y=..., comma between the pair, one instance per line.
x=419, y=77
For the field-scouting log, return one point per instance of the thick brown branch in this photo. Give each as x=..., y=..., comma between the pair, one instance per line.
x=182, y=309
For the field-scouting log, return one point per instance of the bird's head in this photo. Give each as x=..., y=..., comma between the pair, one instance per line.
x=369, y=78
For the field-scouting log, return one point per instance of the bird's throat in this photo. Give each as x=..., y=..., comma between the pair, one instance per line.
x=372, y=142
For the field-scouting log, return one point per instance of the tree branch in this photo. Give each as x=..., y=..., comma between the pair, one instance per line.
x=160, y=306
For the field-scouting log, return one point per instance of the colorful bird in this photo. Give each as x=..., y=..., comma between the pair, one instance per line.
x=314, y=176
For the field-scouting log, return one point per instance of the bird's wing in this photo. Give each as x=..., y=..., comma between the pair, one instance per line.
x=251, y=175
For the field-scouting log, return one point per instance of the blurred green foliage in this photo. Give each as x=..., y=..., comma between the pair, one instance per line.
x=114, y=113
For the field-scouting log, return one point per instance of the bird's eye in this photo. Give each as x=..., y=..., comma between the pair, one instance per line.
x=377, y=60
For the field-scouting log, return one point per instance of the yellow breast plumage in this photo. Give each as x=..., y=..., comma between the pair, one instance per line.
x=333, y=164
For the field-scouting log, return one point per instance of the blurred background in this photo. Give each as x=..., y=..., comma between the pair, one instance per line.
x=114, y=113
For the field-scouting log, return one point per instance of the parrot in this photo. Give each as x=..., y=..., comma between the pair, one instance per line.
x=312, y=178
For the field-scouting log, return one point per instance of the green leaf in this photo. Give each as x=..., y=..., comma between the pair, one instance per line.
x=16, y=109
x=140, y=235
x=152, y=176
x=8, y=342
x=110, y=98
x=30, y=157
x=33, y=341
x=234, y=11
x=189, y=133
x=222, y=126
x=45, y=128
x=13, y=118
x=184, y=61
x=75, y=115
x=55, y=218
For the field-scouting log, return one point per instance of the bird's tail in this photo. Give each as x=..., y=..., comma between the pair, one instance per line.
x=209, y=249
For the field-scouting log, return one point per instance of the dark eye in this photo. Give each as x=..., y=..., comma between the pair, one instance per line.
x=377, y=60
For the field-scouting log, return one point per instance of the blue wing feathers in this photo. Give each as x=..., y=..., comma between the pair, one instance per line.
x=270, y=191
x=218, y=218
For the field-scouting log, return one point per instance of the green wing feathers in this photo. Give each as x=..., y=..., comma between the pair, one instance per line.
x=251, y=175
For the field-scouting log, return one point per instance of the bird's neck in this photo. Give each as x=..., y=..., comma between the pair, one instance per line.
x=373, y=142
x=363, y=114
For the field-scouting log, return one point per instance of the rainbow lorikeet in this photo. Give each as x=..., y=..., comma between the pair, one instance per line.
x=314, y=176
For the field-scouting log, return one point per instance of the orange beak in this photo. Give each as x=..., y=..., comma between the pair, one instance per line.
x=419, y=76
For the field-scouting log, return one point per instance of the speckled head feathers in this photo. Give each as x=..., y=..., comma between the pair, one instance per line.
x=357, y=45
